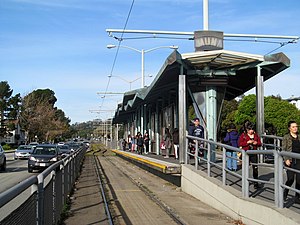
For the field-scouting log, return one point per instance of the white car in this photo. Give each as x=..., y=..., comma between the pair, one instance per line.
x=23, y=152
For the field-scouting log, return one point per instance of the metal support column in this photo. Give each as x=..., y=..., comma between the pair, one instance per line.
x=111, y=134
x=211, y=118
x=260, y=118
x=136, y=122
x=157, y=141
x=149, y=128
x=205, y=15
x=182, y=117
x=142, y=119
x=117, y=135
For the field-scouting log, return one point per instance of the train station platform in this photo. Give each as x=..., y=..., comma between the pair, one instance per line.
x=166, y=166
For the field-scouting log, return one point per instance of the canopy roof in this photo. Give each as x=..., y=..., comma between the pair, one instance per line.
x=219, y=59
x=235, y=72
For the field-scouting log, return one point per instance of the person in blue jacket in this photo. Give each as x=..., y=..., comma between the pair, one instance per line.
x=197, y=130
x=232, y=138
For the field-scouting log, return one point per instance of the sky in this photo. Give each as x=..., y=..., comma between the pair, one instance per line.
x=61, y=45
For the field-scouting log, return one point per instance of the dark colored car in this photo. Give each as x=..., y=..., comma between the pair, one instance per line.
x=65, y=150
x=43, y=156
x=73, y=146
x=23, y=152
x=2, y=159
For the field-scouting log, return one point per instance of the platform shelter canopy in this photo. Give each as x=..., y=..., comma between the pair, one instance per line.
x=234, y=71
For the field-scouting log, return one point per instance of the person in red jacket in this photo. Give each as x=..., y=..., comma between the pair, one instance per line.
x=249, y=140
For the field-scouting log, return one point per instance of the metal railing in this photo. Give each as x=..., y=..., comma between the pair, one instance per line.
x=41, y=199
x=214, y=148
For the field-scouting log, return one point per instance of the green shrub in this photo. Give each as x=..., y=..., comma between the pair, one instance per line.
x=6, y=147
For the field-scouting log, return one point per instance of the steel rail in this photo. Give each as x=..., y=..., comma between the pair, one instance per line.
x=173, y=215
x=99, y=171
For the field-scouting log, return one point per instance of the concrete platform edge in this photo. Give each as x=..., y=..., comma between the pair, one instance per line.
x=167, y=168
x=230, y=202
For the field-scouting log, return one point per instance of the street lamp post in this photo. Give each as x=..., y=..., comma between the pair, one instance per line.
x=143, y=52
x=127, y=81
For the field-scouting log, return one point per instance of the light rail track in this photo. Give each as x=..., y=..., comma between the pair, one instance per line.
x=100, y=173
x=102, y=176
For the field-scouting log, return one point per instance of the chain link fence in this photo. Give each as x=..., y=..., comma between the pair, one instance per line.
x=41, y=199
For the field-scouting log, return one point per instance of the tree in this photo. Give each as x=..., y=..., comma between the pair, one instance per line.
x=9, y=108
x=246, y=110
x=228, y=113
x=277, y=113
x=40, y=118
x=44, y=95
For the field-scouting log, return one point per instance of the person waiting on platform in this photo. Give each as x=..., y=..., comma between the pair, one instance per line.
x=291, y=143
x=124, y=144
x=197, y=130
x=231, y=138
x=133, y=143
x=146, y=142
x=167, y=142
x=129, y=142
x=140, y=143
x=175, y=135
x=250, y=140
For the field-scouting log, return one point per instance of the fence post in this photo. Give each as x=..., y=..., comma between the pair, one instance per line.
x=280, y=180
x=71, y=171
x=208, y=159
x=247, y=183
x=186, y=160
x=53, y=177
x=196, y=154
x=245, y=174
x=276, y=178
x=40, y=205
x=62, y=168
x=224, y=166
x=278, y=144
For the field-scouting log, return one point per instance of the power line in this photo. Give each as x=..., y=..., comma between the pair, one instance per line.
x=155, y=37
x=117, y=52
x=282, y=44
x=228, y=37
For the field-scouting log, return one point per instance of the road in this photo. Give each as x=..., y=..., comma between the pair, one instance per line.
x=15, y=173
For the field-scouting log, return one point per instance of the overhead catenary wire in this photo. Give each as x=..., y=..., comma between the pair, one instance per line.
x=228, y=37
x=117, y=52
x=225, y=39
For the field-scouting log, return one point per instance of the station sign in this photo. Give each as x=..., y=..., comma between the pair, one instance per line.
x=208, y=40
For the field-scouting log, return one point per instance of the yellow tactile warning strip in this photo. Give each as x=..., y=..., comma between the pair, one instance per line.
x=145, y=161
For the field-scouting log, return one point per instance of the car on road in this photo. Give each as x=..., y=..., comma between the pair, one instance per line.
x=86, y=143
x=65, y=150
x=43, y=156
x=74, y=146
x=33, y=143
x=2, y=159
x=23, y=151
